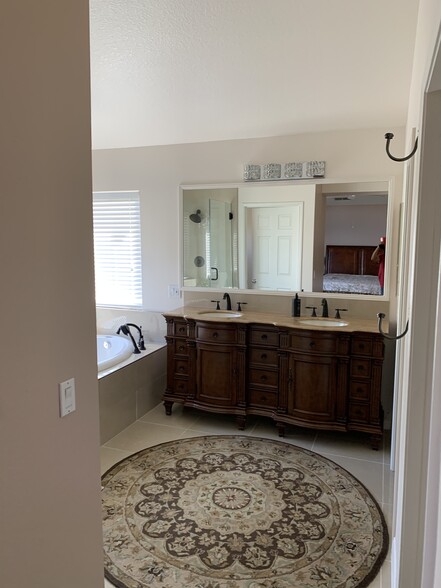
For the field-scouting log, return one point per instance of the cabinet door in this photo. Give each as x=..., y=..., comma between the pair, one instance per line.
x=216, y=375
x=312, y=388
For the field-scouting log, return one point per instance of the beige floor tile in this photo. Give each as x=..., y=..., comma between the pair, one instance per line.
x=141, y=435
x=369, y=473
x=386, y=571
x=376, y=583
x=111, y=456
x=354, y=445
x=181, y=416
x=388, y=484
x=216, y=424
x=295, y=436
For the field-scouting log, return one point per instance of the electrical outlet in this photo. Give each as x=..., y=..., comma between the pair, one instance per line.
x=173, y=291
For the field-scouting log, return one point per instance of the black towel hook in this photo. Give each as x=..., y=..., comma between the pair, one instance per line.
x=389, y=137
x=381, y=316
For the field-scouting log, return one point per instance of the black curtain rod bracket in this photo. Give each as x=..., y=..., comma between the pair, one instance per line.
x=389, y=137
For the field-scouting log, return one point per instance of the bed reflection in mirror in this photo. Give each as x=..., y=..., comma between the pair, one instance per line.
x=354, y=224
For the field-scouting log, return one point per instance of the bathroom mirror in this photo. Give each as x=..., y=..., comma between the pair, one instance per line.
x=316, y=237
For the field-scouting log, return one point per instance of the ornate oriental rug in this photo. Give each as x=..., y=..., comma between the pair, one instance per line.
x=238, y=512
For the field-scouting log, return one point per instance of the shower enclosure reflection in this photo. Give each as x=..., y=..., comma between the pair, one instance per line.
x=210, y=229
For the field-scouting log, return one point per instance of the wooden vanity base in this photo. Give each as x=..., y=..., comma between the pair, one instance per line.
x=320, y=379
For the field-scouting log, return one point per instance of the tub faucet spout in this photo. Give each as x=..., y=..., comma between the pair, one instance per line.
x=141, y=344
x=226, y=297
x=124, y=329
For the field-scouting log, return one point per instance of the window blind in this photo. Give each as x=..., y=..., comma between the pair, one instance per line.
x=117, y=249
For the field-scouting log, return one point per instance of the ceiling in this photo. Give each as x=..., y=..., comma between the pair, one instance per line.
x=181, y=71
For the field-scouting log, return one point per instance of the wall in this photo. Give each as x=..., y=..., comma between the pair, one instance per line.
x=355, y=225
x=158, y=171
x=50, y=512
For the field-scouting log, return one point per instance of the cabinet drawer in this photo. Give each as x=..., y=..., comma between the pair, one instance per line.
x=180, y=347
x=262, y=398
x=314, y=343
x=358, y=412
x=361, y=346
x=180, y=328
x=264, y=356
x=180, y=387
x=216, y=334
x=360, y=368
x=263, y=377
x=263, y=337
x=360, y=390
x=181, y=367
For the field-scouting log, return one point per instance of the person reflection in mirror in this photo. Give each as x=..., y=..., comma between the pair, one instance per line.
x=378, y=257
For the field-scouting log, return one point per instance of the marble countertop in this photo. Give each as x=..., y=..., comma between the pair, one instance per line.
x=279, y=320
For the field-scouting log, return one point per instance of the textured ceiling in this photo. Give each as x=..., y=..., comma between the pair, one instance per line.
x=180, y=71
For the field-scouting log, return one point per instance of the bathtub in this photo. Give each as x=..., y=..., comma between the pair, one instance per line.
x=111, y=350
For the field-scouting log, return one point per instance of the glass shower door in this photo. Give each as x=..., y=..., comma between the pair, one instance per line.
x=219, y=245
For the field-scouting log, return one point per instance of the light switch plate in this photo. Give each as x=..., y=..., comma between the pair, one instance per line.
x=67, y=397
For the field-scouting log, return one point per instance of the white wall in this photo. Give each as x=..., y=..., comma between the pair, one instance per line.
x=355, y=225
x=50, y=510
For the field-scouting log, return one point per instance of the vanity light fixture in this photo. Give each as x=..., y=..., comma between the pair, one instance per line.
x=295, y=170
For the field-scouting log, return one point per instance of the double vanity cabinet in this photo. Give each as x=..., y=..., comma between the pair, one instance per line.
x=321, y=377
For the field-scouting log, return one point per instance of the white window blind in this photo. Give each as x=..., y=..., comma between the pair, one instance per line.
x=117, y=247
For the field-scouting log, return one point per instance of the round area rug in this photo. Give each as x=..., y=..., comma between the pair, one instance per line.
x=238, y=512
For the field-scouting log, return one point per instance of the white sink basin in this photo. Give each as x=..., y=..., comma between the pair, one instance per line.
x=323, y=322
x=219, y=314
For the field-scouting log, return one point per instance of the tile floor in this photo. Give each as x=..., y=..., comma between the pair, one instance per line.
x=351, y=451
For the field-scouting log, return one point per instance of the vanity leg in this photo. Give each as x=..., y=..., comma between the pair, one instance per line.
x=375, y=442
x=281, y=429
x=168, y=407
x=241, y=422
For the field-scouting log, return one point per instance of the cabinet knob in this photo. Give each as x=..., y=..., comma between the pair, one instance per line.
x=215, y=335
x=263, y=356
x=263, y=378
x=312, y=343
x=264, y=337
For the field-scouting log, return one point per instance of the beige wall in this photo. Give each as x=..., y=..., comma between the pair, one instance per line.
x=50, y=521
